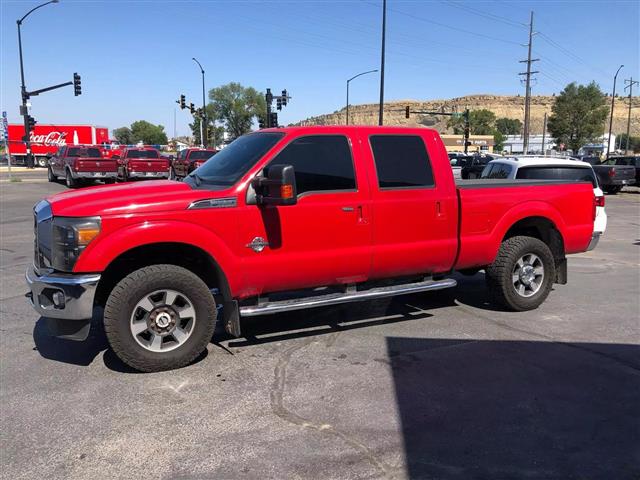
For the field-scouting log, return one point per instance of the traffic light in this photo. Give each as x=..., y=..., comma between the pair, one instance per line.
x=31, y=121
x=279, y=103
x=183, y=102
x=284, y=98
x=261, y=123
x=406, y=112
x=77, y=85
x=268, y=96
x=200, y=112
x=192, y=108
x=273, y=120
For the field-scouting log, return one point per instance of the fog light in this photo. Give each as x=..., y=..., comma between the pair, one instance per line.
x=58, y=299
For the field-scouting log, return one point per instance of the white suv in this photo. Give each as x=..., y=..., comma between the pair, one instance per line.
x=546, y=168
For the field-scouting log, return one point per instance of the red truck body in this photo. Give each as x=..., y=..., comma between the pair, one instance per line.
x=76, y=164
x=141, y=163
x=46, y=139
x=245, y=248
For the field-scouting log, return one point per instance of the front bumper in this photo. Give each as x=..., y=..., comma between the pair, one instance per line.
x=595, y=238
x=62, y=295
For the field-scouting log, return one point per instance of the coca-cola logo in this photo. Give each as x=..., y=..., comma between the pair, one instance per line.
x=54, y=139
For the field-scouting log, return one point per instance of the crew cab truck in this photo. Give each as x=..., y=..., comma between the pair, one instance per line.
x=141, y=163
x=188, y=160
x=81, y=164
x=287, y=219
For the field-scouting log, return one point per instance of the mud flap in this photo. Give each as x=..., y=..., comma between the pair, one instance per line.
x=561, y=271
x=231, y=318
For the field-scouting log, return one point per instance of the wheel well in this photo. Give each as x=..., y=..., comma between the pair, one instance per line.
x=541, y=228
x=181, y=254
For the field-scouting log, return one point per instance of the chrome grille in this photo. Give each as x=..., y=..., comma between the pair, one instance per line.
x=42, y=225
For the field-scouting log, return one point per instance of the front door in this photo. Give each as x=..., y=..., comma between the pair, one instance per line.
x=325, y=239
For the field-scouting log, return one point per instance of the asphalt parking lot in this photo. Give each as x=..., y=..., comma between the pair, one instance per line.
x=422, y=386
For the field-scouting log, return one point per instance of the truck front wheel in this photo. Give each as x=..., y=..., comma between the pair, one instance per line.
x=159, y=317
x=522, y=274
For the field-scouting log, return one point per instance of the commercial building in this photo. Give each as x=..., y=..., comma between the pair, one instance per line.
x=479, y=143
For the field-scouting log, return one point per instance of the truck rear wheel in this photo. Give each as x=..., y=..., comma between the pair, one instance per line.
x=159, y=317
x=69, y=180
x=50, y=176
x=522, y=274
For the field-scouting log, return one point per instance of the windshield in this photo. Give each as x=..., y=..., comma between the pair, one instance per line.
x=232, y=162
x=84, y=152
x=142, y=154
x=202, y=154
x=581, y=174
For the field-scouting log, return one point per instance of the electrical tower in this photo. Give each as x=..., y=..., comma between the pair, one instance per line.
x=527, y=97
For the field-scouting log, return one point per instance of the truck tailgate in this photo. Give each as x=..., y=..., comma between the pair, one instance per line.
x=623, y=172
x=149, y=165
x=489, y=208
x=96, y=165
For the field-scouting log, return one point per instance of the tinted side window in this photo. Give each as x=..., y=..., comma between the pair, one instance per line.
x=499, y=170
x=401, y=161
x=320, y=162
x=558, y=173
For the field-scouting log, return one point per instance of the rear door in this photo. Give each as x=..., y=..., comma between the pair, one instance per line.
x=414, y=206
x=325, y=239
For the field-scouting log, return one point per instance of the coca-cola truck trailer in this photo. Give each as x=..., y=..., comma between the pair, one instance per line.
x=45, y=140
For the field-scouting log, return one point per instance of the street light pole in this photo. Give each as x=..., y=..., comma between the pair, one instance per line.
x=384, y=32
x=23, y=88
x=355, y=76
x=613, y=99
x=203, y=142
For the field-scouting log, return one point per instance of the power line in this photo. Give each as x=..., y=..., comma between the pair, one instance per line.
x=570, y=54
x=480, y=13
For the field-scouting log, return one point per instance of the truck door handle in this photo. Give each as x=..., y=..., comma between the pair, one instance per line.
x=347, y=209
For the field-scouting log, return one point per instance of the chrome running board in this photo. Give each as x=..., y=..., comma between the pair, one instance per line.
x=346, y=297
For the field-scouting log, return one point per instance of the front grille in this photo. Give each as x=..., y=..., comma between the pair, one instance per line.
x=42, y=225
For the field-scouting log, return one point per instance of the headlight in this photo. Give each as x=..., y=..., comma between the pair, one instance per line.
x=70, y=238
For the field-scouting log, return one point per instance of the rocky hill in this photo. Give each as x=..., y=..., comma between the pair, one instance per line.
x=502, y=106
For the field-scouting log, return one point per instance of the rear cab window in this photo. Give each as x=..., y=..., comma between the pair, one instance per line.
x=496, y=170
x=578, y=174
x=322, y=163
x=401, y=162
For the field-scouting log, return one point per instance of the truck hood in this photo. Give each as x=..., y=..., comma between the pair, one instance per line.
x=129, y=198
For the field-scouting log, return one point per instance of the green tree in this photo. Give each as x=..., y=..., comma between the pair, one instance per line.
x=148, y=133
x=498, y=141
x=214, y=135
x=621, y=142
x=237, y=107
x=578, y=115
x=508, y=126
x=481, y=122
x=123, y=135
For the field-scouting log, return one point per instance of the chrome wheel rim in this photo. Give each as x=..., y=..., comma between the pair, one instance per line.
x=162, y=320
x=528, y=275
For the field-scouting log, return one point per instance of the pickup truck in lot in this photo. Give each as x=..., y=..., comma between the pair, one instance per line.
x=288, y=219
x=188, y=160
x=80, y=164
x=612, y=177
x=141, y=163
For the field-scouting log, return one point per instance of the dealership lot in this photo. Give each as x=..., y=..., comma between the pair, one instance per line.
x=420, y=386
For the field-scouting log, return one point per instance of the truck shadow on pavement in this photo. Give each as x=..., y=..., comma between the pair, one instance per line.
x=517, y=409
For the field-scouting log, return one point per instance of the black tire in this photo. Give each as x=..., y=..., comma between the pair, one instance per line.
x=172, y=174
x=130, y=290
x=69, y=180
x=612, y=190
x=42, y=162
x=499, y=275
x=50, y=176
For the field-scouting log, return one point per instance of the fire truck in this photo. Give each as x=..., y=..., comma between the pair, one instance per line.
x=46, y=139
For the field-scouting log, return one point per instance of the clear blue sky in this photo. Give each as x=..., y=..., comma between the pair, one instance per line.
x=135, y=56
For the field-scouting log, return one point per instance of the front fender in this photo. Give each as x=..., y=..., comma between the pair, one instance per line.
x=111, y=244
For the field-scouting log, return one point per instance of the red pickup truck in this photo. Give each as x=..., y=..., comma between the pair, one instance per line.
x=81, y=164
x=188, y=160
x=141, y=163
x=293, y=218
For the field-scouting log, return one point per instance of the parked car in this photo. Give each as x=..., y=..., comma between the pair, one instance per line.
x=80, y=164
x=317, y=215
x=546, y=168
x=141, y=163
x=188, y=160
x=458, y=162
x=475, y=164
x=612, y=177
x=631, y=161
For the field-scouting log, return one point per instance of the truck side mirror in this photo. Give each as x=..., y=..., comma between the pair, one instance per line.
x=278, y=187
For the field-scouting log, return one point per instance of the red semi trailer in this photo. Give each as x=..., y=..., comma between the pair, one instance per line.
x=46, y=139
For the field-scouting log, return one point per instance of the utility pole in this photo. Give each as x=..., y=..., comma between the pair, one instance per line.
x=613, y=99
x=630, y=83
x=544, y=133
x=384, y=29
x=203, y=117
x=527, y=98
